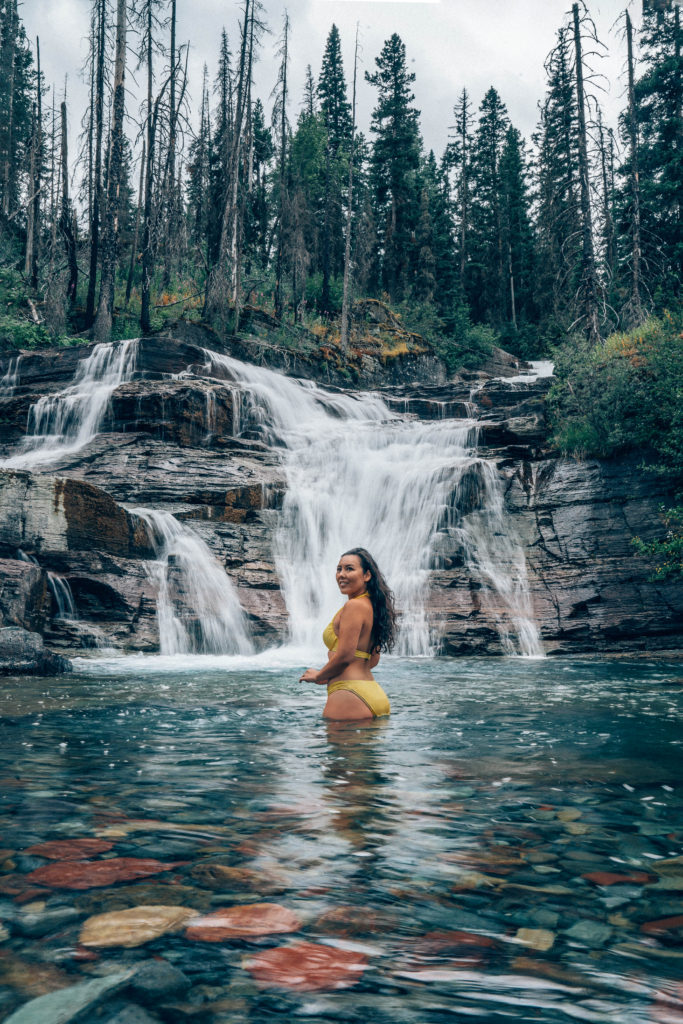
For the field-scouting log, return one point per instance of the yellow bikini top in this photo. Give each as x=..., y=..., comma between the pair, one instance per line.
x=330, y=638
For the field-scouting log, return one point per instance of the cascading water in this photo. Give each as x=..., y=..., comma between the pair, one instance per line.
x=197, y=608
x=10, y=378
x=62, y=596
x=360, y=475
x=63, y=423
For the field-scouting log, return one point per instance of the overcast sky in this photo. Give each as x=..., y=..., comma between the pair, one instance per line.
x=450, y=44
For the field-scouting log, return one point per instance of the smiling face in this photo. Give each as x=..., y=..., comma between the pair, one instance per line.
x=351, y=577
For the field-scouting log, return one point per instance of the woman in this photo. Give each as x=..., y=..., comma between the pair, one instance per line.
x=359, y=631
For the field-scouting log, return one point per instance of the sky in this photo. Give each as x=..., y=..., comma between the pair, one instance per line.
x=450, y=45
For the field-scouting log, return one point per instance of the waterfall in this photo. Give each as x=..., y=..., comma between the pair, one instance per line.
x=62, y=596
x=359, y=474
x=63, y=423
x=197, y=607
x=10, y=378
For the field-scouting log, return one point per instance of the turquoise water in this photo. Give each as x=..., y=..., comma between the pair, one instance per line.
x=447, y=846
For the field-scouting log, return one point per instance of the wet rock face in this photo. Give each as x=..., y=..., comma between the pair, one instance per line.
x=24, y=595
x=590, y=591
x=190, y=414
x=169, y=442
x=51, y=516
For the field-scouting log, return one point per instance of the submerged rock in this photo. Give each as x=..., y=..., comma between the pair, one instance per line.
x=158, y=979
x=70, y=1004
x=244, y=921
x=307, y=967
x=88, y=874
x=69, y=849
x=133, y=927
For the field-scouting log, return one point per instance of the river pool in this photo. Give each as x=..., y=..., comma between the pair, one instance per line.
x=507, y=846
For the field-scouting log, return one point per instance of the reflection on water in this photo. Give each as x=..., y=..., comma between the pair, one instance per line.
x=507, y=846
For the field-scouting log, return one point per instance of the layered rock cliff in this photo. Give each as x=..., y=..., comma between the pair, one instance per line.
x=176, y=436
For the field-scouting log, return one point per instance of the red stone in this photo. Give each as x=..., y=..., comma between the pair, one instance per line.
x=664, y=924
x=88, y=874
x=17, y=885
x=243, y=921
x=69, y=849
x=307, y=967
x=609, y=878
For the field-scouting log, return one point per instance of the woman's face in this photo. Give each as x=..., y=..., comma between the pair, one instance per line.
x=351, y=578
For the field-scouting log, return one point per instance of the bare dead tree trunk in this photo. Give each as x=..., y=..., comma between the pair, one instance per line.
x=636, y=311
x=589, y=277
x=147, y=255
x=36, y=172
x=29, y=255
x=607, y=191
x=134, y=250
x=346, y=294
x=222, y=275
x=8, y=58
x=66, y=220
x=98, y=72
x=171, y=211
x=279, y=257
x=105, y=310
x=678, y=86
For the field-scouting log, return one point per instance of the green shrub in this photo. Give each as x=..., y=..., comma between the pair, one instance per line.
x=668, y=553
x=623, y=394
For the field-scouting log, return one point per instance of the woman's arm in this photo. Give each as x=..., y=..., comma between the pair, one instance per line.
x=350, y=627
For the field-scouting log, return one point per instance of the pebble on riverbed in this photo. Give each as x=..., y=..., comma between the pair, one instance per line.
x=133, y=927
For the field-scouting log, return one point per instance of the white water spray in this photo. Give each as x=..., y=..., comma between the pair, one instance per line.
x=63, y=423
x=360, y=475
x=197, y=608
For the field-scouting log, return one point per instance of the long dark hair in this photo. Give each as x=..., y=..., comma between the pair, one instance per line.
x=383, y=634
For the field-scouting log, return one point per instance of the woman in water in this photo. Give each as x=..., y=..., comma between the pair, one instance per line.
x=359, y=631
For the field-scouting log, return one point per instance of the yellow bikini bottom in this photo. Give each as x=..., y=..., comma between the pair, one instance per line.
x=369, y=691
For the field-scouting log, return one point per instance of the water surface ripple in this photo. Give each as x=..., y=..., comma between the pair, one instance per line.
x=497, y=850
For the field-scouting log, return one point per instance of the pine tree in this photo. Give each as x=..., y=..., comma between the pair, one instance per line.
x=588, y=294
x=105, y=307
x=281, y=130
x=557, y=204
x=659, y=98
x=487, y=278
x=517, y=234
x=457, y=160
x=394, y=164
x=199, y=174
x=17, y=90
x=335, y=112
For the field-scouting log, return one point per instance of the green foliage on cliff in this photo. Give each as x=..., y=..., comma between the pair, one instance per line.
x=17, y=329
x=623, y=394
x=667, y=553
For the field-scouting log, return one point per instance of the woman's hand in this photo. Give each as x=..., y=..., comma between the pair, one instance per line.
x=309, y=676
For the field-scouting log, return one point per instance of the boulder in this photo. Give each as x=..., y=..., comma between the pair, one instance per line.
x=24, y=653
